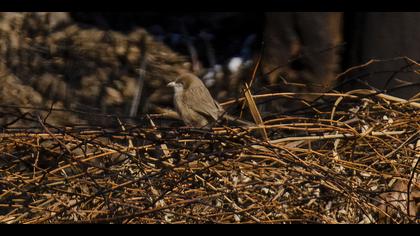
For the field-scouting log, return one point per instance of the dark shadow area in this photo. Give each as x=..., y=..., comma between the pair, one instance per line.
x=227, y=33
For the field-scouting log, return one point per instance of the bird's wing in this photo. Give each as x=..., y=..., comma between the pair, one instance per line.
x=199, y=99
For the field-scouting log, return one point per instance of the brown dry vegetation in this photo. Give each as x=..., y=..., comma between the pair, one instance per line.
x=352, y=158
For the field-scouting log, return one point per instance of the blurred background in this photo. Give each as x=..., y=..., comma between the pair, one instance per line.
x=82, y=68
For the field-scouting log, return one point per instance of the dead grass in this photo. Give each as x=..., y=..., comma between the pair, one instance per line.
x=332, y=170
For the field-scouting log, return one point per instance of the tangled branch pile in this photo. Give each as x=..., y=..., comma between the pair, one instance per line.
x=352, y=159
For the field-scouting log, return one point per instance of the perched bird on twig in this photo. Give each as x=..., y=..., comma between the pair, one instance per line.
x=194, y=103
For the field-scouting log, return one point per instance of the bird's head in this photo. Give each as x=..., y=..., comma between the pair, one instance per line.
x=184, y=82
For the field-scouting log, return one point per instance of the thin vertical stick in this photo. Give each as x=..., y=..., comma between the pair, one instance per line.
x=254, y=111
x=142, y=73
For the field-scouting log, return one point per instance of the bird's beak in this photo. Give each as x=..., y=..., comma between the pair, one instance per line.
x=171, y=84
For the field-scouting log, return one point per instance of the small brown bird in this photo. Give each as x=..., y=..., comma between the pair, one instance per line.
x=193, y=101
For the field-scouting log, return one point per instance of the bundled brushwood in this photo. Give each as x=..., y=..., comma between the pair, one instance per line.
x=68, y=155
x=353, y=160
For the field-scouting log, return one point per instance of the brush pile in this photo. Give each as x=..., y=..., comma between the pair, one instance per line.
x=348, y=161
x=352, y=158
